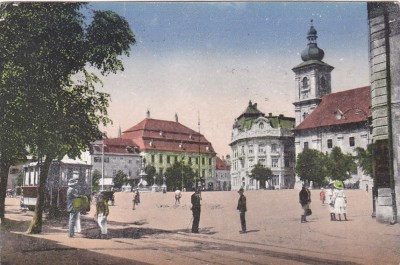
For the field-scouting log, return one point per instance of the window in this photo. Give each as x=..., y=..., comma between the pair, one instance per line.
x=190, y=160
x=97, y=159
x=203, y=161
x=261, y=126
x=130, y=161
x=304, y=83
x=161, y=158
x=203, y=173
x=161, y=171
x=274, y=162
x=274, y=148
x=250, y=149
x=352, y=141
x=261, y=161
x=197, y=160
x=261, y=149
x=251, y=162
x=114, y=172
x=305, y=145
x=168, y=159
x=130, y=173
x=152, y=158
x=329, y=143
x=210, y=161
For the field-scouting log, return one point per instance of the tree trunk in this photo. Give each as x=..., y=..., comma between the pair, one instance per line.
x=36, y=224
x=3, y=188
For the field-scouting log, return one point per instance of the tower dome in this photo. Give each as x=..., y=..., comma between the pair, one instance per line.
x=312, y=52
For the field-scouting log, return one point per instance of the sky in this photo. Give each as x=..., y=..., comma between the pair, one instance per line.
x=206, y=60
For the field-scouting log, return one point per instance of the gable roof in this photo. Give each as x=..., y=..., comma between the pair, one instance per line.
x=161, y=135
x=352, y=105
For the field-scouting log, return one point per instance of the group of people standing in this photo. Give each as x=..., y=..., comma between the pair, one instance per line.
x=75, y=206
x=337, y=201
x=196, y=210
x=334, y=197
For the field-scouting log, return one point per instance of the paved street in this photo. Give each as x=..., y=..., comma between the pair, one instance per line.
x=158, y=232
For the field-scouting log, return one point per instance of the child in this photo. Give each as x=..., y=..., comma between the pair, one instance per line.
x=102, y=212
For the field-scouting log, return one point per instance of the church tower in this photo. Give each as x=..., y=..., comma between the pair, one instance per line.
x=313, y=78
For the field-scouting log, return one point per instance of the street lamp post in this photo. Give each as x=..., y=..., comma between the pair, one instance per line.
x=102, y=165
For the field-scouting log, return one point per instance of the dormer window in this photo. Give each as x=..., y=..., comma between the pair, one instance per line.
x=207, y=148
x=191, y=137
x=261, y=125
x=161, y=133
x=151, y=142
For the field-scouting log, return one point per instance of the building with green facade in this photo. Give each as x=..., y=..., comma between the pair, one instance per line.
x=162, y=143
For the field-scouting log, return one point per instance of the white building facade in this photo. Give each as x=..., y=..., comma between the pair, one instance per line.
x=268, y=140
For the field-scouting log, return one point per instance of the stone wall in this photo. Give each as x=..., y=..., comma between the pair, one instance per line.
x=384, y=24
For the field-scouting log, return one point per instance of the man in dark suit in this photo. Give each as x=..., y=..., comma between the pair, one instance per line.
x=242, y=207
x=196, y=207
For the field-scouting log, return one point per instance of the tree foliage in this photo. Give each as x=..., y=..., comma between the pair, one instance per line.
x=96, y=176
x=365, y=159
x=150, y=174
x=340, y=166
x=180, y=175
x=261, y=173
x=120, y=179
x=45, y=49
x=310, y=166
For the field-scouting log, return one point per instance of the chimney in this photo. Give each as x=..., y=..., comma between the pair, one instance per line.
x=176, y=117
x=148, y=114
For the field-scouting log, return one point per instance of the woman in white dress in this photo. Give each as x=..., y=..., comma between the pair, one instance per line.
x=340, y=201
x=331, y=203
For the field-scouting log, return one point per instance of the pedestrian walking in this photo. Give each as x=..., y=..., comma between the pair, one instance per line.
x=340, y=200
x=322, y=196
x=242, y=207
x=72, y=193
x=305, y=200
x=178, y=195
x=366, y=187
x=331, y=203
x=196, y=208
x=102, y=212
x=136, y=199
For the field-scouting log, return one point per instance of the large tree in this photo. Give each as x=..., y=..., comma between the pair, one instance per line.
x=261, y=173
x=180, y=176
x=49, y=52
x=340, y=166
x=120, y=179
x=310, y=166
x=365, y=159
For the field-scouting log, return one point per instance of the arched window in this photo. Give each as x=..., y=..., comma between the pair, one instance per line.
x=261, y=126
x=304, y=83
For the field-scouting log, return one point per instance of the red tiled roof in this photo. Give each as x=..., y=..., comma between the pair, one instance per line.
x=221, y=164
x=152, y=134
x=354, y=105
x=119, y=146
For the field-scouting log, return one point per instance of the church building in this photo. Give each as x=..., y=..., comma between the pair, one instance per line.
x=325, y=119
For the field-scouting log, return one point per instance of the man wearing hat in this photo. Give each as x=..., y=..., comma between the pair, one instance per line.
x=242, y=209
x=305, y=200
x=72, y=193
x=196, y=207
